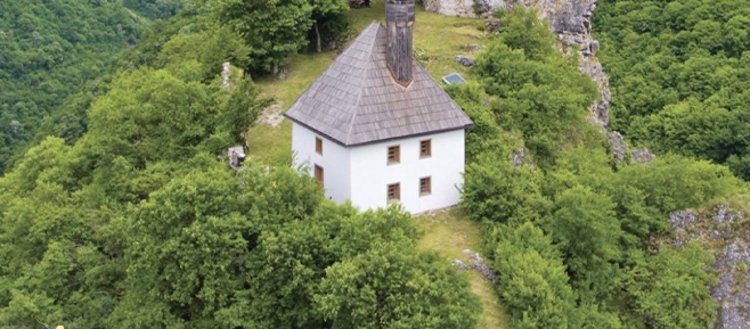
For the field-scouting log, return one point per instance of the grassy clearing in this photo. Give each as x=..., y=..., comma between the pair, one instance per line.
x=448, y=233
x=437, y=40
x=272, y=145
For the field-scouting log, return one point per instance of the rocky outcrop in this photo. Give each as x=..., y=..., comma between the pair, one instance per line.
x=465, y=60
x=478, y=264
x=225, y=72
x=643, y=155
x=727, y=232
x=570, y=20
x=617, y=144
x=464, y=8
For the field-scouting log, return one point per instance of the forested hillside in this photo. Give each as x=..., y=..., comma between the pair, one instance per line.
x=574, y=237
x=49, y=50
x=137, y=225
x=680, y=75
x=128, y=217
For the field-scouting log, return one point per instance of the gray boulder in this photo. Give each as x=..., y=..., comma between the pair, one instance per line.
x=465, y=60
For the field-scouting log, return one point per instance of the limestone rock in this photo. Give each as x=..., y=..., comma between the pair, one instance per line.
x=460, y=265
x=726, y=229
x=477, y=263
x=472, y=47
x=464, y=8
x=464, y=60
x=618, y=146
x=493, y=24
x=643, y=155
x=225, y=72
x=518, y=156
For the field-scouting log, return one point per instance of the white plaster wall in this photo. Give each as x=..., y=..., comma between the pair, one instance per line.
x=370, y=173
x=335, y=161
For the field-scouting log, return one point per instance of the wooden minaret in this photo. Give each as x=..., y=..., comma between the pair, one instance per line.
x=399, y=18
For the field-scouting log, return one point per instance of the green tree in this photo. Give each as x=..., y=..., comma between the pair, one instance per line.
x=329, y=20
x=494, y=190
x=533, y=283
x=529, y=83
x=671, y=289
x=391, y=287
x=587, y=232
x=272, y=28
x=676, y=73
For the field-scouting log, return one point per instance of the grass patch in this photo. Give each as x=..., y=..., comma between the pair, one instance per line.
x=272, y=145
x=437, y=40
x=449, y=233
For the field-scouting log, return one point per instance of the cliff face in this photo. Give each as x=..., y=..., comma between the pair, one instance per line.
x=570, y=20
x=726, y=232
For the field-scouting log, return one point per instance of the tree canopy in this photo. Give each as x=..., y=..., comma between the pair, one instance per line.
x=678, y=72
x=135, y=224
x=567, y=228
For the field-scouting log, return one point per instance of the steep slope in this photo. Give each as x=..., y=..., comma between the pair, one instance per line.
x=50, y=49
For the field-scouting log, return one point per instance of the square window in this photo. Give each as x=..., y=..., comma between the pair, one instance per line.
x=319, y=176
x=318, y=145
x=394, y=192
x=425, y=148
x=394, y=154
x=425, y=186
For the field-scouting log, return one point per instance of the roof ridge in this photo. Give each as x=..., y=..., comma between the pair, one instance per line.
x=364, y=76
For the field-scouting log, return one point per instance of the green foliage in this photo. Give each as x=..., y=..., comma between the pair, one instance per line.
x=49, y=49
x=569, y=237
x=674, y=182
x=585, y=227
x=212, y=250
x=485, y=136
x=208, y=45
x=523, y=30
x=136, y=225
x=529, y=83
x=241, y=109
x=679, y=75
x=272, y=28
x=671, y=289
x=533, y=282
x=155, y=8
x=494, y=190
x=147, y=110
x=329, y=24
x=387, y=287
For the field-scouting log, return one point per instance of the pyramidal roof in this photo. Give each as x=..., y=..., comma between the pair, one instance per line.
x=356, y=101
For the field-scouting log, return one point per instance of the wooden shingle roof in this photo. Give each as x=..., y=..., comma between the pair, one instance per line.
x=356, y=101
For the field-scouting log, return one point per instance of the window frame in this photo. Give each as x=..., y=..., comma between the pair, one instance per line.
x=397, y=155
x=318, y=145
x=319, y=175
x=425, y=182
x=422, y=153
x=396, y=193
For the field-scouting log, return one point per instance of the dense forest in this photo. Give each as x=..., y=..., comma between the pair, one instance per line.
x=569, y=231
x=118, y=231
x=679, y=75
x=124, y=218
x=51, y=49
